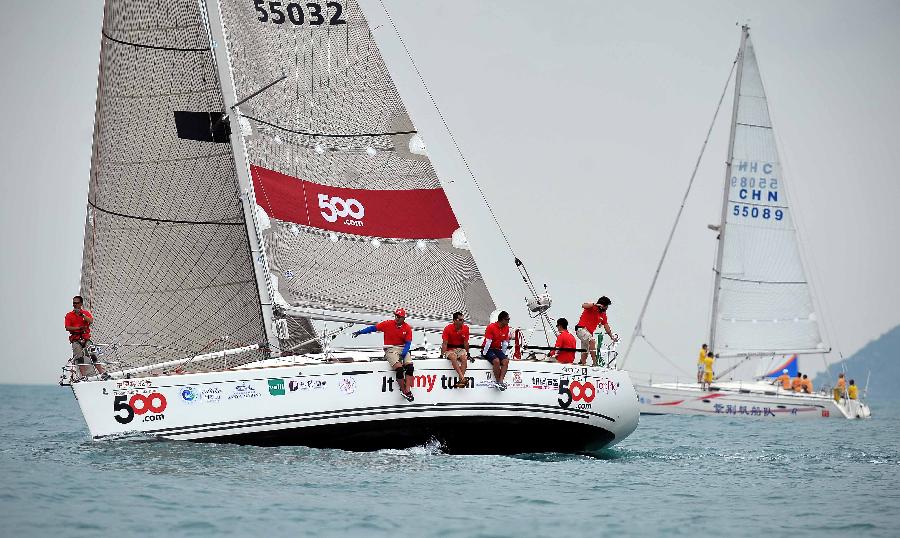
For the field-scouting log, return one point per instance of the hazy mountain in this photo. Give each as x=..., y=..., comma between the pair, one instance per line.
x=880, y=356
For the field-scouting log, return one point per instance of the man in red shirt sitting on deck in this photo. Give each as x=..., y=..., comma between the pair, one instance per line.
x=397, y=341
x=565, y=341
x=496, y=341
x=455, y=347
x=593, y=314
x=78, y=323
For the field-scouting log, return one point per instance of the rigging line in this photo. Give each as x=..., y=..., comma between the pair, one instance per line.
x=763, y=281
x=667, y=359
x=326, y=135
x=637, y=327
x=165, y=221
x=155, y=47
x=259, y=91
x=449, y=132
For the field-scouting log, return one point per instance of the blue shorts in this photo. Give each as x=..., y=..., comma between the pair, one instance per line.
x=494, y=354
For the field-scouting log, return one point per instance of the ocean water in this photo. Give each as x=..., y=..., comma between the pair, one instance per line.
x=674, y=476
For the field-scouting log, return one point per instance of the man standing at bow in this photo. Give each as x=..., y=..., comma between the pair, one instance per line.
x=397, y=341
x=78, y=323
x=594, y=314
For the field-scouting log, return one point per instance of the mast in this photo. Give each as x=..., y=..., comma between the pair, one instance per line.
x=219, y=48
x=745, y=31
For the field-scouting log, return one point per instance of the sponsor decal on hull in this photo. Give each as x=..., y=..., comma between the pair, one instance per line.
x=243, y=390
x=146, y=407
x=347, y=385
x=306, y=384
x=276, y=387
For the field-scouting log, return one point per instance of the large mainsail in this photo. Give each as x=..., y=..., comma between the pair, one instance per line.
x=763, y=303
x=352, y=212
x=167, y=268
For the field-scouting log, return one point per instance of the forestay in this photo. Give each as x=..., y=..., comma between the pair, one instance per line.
x=764, y=302
x=353, y=215
x=167, y=268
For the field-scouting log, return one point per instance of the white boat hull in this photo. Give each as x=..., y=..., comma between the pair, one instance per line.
x=734, y=399
x=357, y=406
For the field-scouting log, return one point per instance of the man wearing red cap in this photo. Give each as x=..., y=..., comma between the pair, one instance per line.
x=397, y=341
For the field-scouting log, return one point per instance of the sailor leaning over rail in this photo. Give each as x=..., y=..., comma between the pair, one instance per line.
x=455, y=347
x=494, y=346
x=397, y=341
x=592, y=315
x=78, y=323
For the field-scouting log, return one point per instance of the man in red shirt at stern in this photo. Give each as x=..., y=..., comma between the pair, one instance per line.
x=78, y=323
x=565, y=341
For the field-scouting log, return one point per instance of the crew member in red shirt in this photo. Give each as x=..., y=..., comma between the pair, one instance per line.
x=455, y=347
x=565, y=343
x=496, y=342
x=593, y=314
x=397, y=341
x=78, y=323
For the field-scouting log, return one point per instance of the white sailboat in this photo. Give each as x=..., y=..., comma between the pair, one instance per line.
x=762, y=307
x=255, y=174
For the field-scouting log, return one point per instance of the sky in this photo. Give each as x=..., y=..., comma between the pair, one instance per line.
x=581, y=121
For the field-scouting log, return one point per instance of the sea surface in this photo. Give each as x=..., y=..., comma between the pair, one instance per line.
x=675, y=476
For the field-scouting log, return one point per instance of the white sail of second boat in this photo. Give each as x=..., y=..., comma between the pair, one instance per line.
x=762, y=301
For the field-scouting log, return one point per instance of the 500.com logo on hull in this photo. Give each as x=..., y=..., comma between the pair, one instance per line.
x=152, y=405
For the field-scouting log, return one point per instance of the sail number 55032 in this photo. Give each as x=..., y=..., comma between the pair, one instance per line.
x=311, y=13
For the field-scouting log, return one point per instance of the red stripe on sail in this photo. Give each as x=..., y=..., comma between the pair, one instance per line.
x=401, y=214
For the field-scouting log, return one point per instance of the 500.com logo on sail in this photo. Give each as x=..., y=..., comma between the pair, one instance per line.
x=152, y=405
x=335, y=207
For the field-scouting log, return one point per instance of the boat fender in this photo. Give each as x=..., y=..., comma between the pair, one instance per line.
x=409, y=369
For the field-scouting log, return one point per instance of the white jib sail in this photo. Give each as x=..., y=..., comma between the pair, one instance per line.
x=764, y=303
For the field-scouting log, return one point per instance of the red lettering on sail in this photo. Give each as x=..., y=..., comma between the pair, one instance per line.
x=402, y=214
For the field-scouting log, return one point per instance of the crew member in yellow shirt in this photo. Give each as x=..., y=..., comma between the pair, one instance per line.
x=707, y=371
x=700, y=363
x=841, y=388
x=806, y=385
x=797, y=383
x=852, y=390
x=784, y=379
